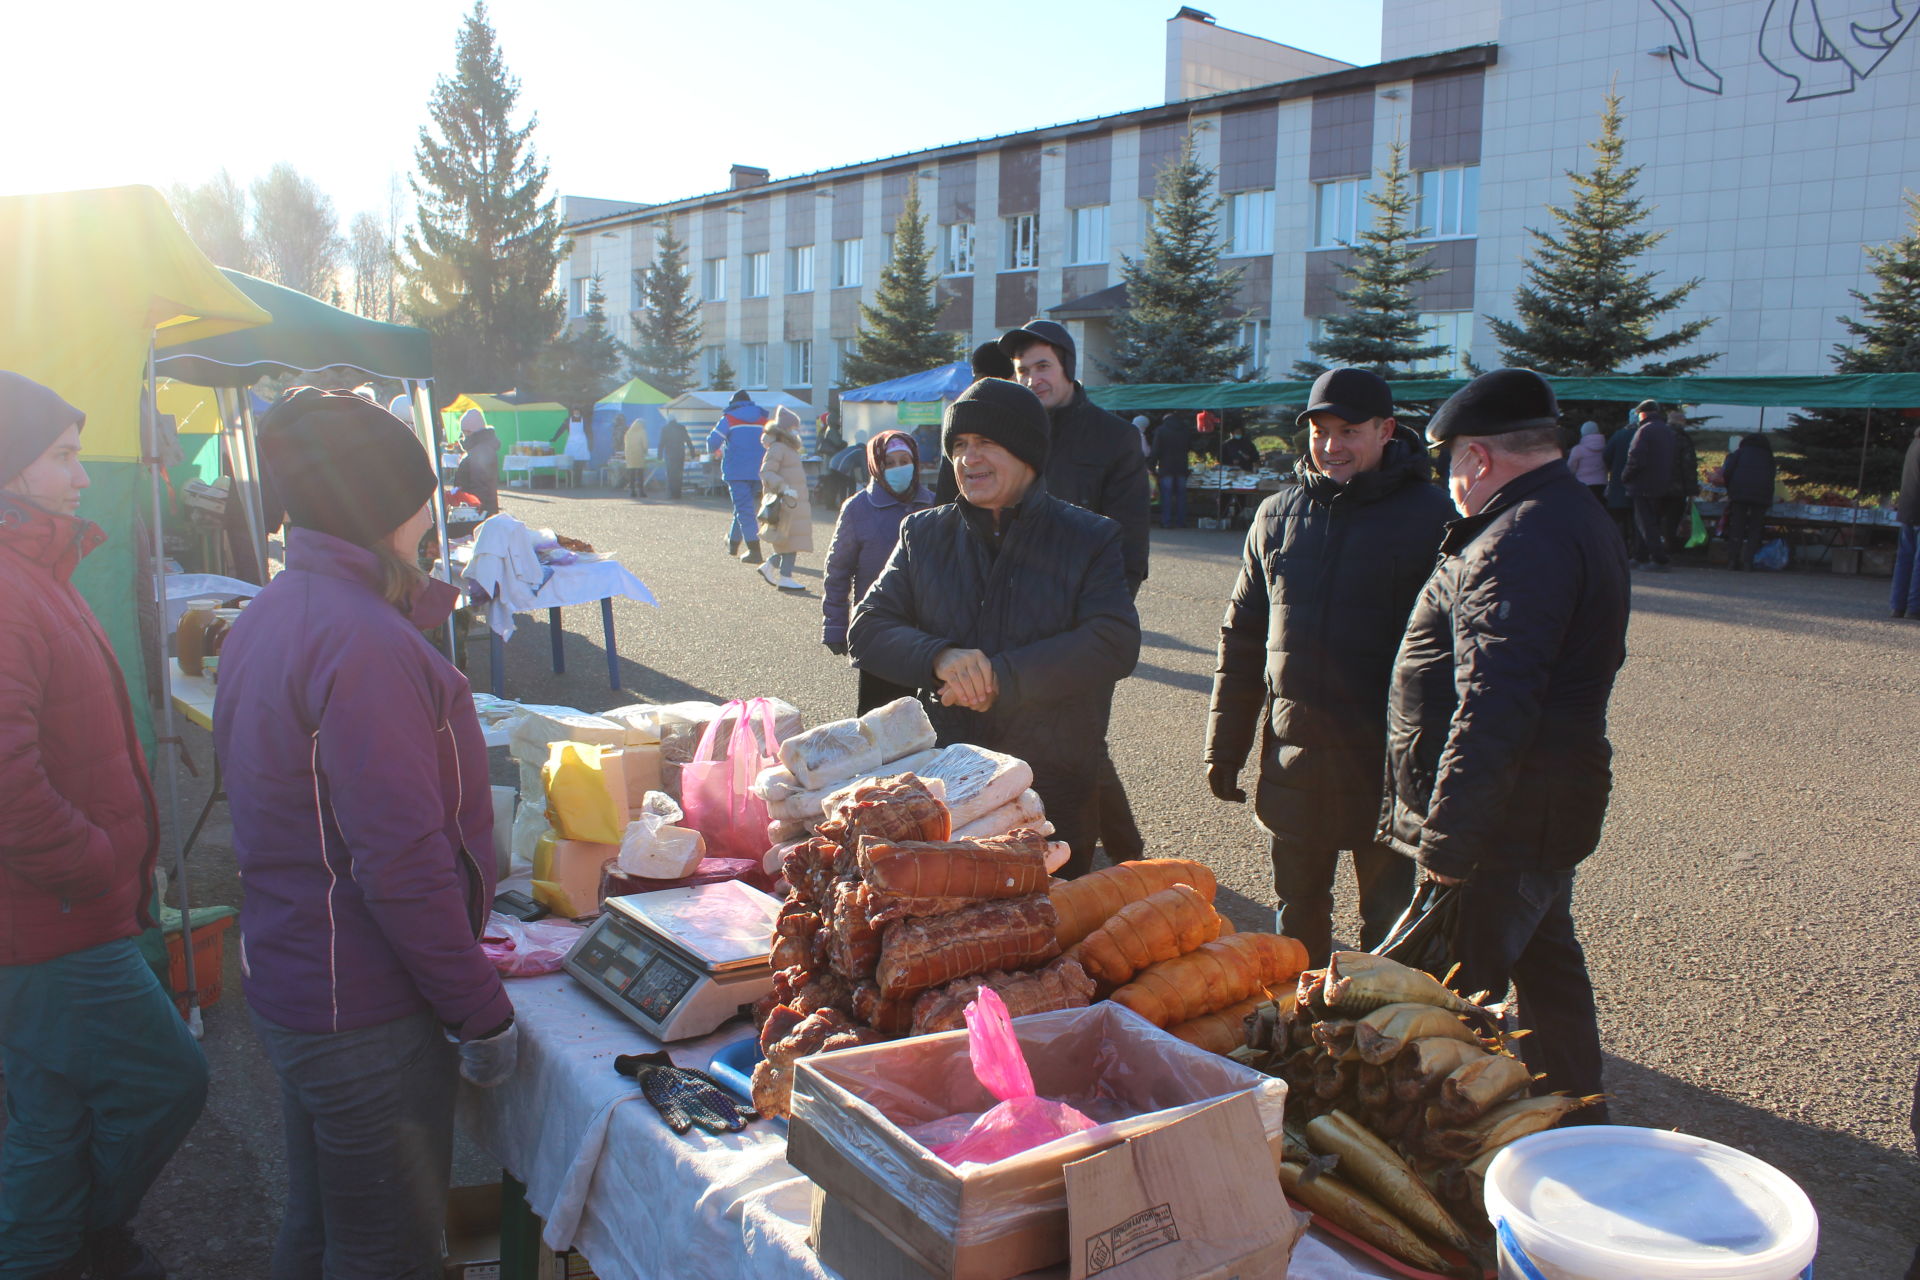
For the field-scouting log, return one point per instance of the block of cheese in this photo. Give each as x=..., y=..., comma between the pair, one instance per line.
x=566, y=875
x=640, y=720
x=543, y=725
x=586, y=792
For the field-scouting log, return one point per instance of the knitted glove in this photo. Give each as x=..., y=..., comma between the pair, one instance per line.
x=684, y=1097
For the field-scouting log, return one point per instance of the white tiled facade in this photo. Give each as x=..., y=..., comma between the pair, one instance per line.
x=1766, y=197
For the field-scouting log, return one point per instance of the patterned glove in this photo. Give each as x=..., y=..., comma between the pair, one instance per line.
x=684, y=1097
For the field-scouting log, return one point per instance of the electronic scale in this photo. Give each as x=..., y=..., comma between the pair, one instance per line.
x=680, y=961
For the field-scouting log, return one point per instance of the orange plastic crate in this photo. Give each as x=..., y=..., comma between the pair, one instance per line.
x=209, y=954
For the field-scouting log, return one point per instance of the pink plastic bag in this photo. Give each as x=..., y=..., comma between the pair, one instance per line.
x=716, y=794
x=1022, y=1120
x=528, y=948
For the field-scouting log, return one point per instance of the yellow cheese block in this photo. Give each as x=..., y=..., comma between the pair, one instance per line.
x=586, y=791
x=566, y=874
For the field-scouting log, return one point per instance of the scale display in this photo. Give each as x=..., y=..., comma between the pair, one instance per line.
x=679, y=962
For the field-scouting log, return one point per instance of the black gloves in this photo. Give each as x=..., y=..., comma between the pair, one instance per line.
x=684, y=1097
x=1223, y=780
x=838, y=648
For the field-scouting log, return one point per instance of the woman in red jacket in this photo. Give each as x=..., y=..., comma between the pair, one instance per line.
x=103, y=1080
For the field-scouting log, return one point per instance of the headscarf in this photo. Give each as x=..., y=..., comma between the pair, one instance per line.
x=883, y=443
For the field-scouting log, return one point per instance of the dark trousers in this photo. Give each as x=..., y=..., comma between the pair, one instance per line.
x=1517, y=927
x=368, y=1120
x=1650, y=521
x=103, y=1082
x=1173, y=502
x=875, y=692
x=1746, y=524
x=1905, y=595
x=1599, y=491
x=1303, y=882
x=676, y=475
x=1119, y=833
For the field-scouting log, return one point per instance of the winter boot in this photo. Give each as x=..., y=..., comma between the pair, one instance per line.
x=733, y=546
x=767, y=574
x=114, y=1254
x=753, y=555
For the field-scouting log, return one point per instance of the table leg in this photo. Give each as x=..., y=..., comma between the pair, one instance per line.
x=557, y=637
x=497, y=662
x=613, y=655
x=206, y=810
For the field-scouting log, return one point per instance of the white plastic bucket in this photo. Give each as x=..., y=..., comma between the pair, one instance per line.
x=1610, y=1202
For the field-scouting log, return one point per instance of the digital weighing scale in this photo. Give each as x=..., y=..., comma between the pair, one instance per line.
x=680, y=961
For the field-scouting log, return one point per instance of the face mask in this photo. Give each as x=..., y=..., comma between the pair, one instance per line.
x=1463, y=501
x=898, y=478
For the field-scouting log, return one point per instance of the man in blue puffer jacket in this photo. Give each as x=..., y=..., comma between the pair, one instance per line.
x=736, y=438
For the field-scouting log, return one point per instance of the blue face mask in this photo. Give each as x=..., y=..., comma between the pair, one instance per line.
x=898, y=478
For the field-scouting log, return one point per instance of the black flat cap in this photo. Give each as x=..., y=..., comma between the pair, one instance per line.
x=1354, y=395
x=1495, y=404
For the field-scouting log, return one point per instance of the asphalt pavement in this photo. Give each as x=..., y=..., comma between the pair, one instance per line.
x=1749, y=917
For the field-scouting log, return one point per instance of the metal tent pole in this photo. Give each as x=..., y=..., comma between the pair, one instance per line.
x=150, y=449
x=246, y=485
x=426, y=425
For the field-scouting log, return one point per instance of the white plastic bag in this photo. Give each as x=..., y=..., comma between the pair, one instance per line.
x=655, y=846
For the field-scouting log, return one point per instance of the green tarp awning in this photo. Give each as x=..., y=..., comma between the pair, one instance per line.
x=1837, y=391
x=306, y=335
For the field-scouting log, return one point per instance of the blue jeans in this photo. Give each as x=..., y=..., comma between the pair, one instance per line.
x=1906, y=572
x=1517, y=926
x=1173, y=502
x=103, y=1083
x=782, y=562
x=746, y=523
x=368, y=1120
x=1303, y=881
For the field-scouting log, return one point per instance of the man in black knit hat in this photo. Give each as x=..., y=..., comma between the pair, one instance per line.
x=1010, y=610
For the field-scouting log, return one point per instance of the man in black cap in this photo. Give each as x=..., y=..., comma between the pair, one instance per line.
x=1497, y=752
x=1649, y=478
x=1331, y=569
x=1009, y=609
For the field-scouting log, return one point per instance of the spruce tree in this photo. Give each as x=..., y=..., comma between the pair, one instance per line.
x=1887, y=340
x=1583, y=310
x=1381, y=330
x=1178, y=325
x=666, y=328
x=724, y=378
x=481, y=258
x=897, y=334
x=583, y=364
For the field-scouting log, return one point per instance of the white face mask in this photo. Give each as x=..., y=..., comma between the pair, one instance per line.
x=1462, y=502
x=898, y=478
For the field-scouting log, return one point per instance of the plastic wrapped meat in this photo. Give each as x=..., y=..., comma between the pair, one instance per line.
x=1061, y=985
x=901, y=807
x=1008, y=933
x=829, y=753
x=899, y=729
x=921, y=878
x=810, y=806
x=977, y=781
x=1024, y=810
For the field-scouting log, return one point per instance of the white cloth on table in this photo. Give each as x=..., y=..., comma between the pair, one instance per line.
x=582, y=582
x=505, y=566
x=644, y=1202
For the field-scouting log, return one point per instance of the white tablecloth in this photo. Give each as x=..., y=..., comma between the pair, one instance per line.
x=609, y=1178
x=582, y=582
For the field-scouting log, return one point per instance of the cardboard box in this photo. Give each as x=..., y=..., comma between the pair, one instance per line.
x=470, y=1245
x=854, y=1249
x=568, y=1264
x=1845, y=560
x=850, y=1109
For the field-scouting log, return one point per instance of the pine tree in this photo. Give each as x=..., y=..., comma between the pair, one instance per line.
x=582, y=365
x=897, y=334
x=1178, y=325
x=666, y=328
x=1381, y=330
x=1584, y=310
x=481, y=259
x=1828, y=441
x=724, y=378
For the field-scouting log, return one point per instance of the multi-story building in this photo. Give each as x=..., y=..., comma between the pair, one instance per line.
x=1776, y=140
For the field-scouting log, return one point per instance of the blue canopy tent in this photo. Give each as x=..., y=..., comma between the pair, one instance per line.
x=909, y=401
x=635, y=401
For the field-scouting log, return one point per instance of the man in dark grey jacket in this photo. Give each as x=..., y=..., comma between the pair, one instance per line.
x=1905, y=597
x=1009, y=610
x=1498, y=765
x=1331, y=569
x=1650, y=485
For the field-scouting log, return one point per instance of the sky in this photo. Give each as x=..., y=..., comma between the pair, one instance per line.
x=640, y=100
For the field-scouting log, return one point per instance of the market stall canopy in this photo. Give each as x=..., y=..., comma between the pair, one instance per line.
x=306, y=335
x=636, y=401
x=942, y=383
x=698, y=410
x=1835, y=391
x=513, y=423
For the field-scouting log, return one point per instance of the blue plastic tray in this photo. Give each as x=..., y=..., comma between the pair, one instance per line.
x=733, y=1066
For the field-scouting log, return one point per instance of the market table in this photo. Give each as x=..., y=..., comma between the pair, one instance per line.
x=607, y=1177
x=528, y=463
x=591, y=578
x=1820, y=526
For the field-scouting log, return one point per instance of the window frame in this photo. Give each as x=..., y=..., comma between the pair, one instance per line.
x=1080, y=219
x=803, y=348
x=1346, y=210
x=1260, y=354
x=752, y=354
x=852, y=249
x=800, y=268
x=757, y=277
x=1234, y=248
x=713, y=279
x=960, y=259
x=1464, y=210
x=1446, y=326
x=1022, y=246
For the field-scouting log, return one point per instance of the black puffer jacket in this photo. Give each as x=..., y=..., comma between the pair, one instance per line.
x=1749, y=471
x=1497, y=752
x=1328, y=576
x=1053, y=611
x=1686, y=464
x=1650, y=468
x=1908, y=511
x=1173, y=447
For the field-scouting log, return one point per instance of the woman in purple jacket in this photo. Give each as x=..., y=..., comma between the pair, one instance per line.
x=863, y=539
x=362, y=824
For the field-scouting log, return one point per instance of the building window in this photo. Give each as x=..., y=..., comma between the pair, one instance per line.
x=1449, y=203
x=800, y=269
x=578, y=302
x=1023, y=242
x=759, y=274
x=800, y=364
x=1454, y=331
x=1337, y=212
x=1088, y=241
x=713, y=280
x=638, y=288
x=710, y=364
x=846, y=264
x=1250, y=222
x=959, y=249
x=842, y=348
x=1257, y=337
x=753, y=365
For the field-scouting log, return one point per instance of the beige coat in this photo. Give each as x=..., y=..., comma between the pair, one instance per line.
x=782, y=472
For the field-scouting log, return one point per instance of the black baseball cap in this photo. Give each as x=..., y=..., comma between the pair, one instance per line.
x=1354, y=395
x=1051, y=332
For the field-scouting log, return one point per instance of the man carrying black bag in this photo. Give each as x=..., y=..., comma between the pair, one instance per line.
x=1497, y=755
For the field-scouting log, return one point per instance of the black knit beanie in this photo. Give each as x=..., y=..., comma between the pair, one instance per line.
x=342, y=465
x=31, y=419
x=1004, y=412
